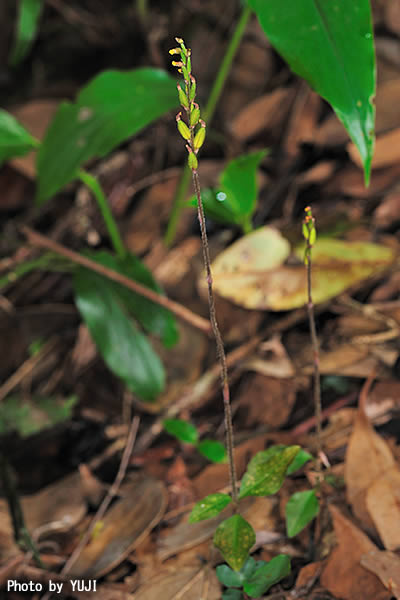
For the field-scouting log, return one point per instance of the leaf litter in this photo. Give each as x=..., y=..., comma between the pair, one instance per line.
x=144, y=547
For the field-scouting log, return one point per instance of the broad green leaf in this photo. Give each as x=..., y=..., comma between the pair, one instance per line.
x=217, y=206
x=14, y=139
x=267, y=575
x=209, y=507
x=299, y=460
x=213, y=450
x=182, y=430
x=251, y=272
x=29, y=12
x=111, y=108
x=153, y=317
x=238, y=181
x=33, y=415
x=266, y=471
x=330, y=44
x=232, y=595
x=235, y=199
x=300, y=510
x=125, y=350
x=234, y=537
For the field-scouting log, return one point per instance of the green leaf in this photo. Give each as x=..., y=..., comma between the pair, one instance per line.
x=234, y=537
x=182, y=430
x=267, y=575
x=228, y=577
x=234, y=201
x=125, y=350
x=28, y=18
x=232, y=595
x=14, y=139
x=266, y=471
x=330, y=44
x=33, y=415
x=300, y=459
x=111, y=108
x=154, y=318
x=213, y=450
x=300, y=510
x=209, y=507
x=238, y=181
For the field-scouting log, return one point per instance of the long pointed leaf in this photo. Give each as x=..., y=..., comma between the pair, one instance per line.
x=330, y=44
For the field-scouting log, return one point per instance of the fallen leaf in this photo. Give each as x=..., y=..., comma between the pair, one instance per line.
x=386, y=565
x=383, y=504
x=125, y=525
x=267, y=400
x=261, y=114
x=251, y=272
x=192, y=580
x=367, y=457
x=392, y=15
x=343, y=575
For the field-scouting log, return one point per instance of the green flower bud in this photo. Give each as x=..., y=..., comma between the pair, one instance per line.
x=192, y=161
x=185, y=72
x=194, y=115
x=192, y=93
x=183, y=129
x=199, y=138
x=313, y=236
x=183, y=99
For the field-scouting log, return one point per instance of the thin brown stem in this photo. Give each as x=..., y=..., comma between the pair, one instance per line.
x=179, y=311
x=218, y=340
x=317, y=376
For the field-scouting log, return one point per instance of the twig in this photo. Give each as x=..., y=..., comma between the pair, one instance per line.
x=180, y=311
x=26, y=368
x=112, y=492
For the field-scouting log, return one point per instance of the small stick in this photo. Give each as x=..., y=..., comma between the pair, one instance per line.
x=183, y=313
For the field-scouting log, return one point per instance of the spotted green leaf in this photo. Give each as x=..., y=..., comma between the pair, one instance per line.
x=209, y=507
x=267, y=470
x=234, y=537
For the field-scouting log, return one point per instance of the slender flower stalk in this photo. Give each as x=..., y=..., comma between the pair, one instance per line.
x=310, y=236
x=193, y=131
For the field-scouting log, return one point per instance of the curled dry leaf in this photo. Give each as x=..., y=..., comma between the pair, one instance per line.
x=343, y=575
x=251, y=272
x=125, y=525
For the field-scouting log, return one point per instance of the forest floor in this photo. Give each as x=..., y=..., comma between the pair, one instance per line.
x=143, y=547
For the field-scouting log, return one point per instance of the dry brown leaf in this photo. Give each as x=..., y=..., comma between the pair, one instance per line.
x=388, y=211
x=368, y=457
x=262, y=114
x=35, y=116
x=343, y=575
x=124, y=526
x=303, y=119
x=386, y=565
x=267, y=400
x=187, y=582
x=383, y=504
